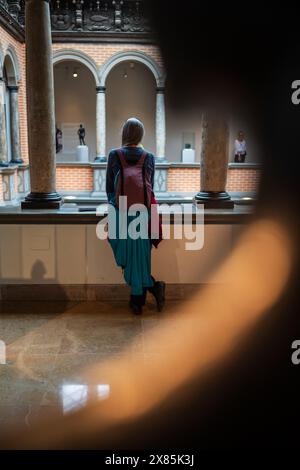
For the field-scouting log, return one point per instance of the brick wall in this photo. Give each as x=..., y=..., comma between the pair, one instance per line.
x=74, y=178
x=245, y=179
x=7, y=41
x=179, y=179
x=183, y=179
x=188, y=179
x=100, y=53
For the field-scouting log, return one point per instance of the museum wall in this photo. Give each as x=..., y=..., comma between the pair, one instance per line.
x=130, y=92
x=182, y=125
x=75, y=104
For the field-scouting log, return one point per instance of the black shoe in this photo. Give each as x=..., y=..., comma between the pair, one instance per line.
x=159, y=291
x=136, y=309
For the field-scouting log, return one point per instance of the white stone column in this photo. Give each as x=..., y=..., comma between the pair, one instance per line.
x=3, y=136
x=15, y=124
x=100, y=125
x=160, y=125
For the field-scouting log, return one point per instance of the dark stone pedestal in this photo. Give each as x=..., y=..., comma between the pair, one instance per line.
x=214, y=200
x=41, y=201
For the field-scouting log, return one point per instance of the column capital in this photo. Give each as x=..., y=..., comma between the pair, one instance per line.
x=100, y=89
x=160, y=89
x=13, y=88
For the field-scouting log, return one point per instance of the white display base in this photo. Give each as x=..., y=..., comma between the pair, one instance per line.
x=188, y=156
x=82, y=153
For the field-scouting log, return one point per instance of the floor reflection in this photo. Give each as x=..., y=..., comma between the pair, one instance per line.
x=76, y=396
x=49, y=346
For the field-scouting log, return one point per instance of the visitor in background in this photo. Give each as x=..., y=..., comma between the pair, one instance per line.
x=130, y=173
x=240, y=148
x=58, y=140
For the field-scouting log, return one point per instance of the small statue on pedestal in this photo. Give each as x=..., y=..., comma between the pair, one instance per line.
x=81, y=135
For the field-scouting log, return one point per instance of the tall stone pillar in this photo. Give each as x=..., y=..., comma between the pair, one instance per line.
x=40, y=107
x=214, y=163
x=3, y=136
x=160, y=125
x=100, y=125
x=15, y=124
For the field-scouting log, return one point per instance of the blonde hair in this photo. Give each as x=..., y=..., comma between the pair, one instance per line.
x=133, y=132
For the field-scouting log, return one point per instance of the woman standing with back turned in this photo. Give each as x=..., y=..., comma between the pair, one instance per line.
x=130, y=173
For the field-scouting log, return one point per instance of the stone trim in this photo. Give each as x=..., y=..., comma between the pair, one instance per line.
x=134, y=56
x=235, y=166
x=74, y=164
x=79, y=56
x=12, y=26
x=60, y=217
x=85, y=37
x=244, y=166
x=91, y=292
x=11, y=53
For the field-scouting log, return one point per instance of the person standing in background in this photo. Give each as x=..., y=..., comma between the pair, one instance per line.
x=240, y=148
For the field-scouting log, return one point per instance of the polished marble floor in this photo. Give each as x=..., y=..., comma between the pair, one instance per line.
x=50, y=344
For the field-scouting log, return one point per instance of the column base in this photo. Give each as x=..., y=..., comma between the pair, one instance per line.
x=160, y=159
x=42, y=201
x=100, y=159
x=214, y=200
x=17, y=161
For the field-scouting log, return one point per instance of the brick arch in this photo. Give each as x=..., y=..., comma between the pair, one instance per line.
x=14, y=62
x=1, y=60
x=78, y=56
x=134, y=56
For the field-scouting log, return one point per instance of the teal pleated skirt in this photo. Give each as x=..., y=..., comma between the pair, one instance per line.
x=132, y=255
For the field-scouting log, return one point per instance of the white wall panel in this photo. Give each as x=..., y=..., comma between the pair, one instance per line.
x=38, y=254
x=72, y=254
x=10, y=253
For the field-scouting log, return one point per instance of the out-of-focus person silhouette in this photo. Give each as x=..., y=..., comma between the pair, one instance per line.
x=233, y=384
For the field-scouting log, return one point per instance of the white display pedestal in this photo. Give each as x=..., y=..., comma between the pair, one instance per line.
x=82, y=153
x=188, y=156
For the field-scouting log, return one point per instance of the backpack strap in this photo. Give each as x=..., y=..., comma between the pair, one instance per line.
x=120, y=156
x=147, y=196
